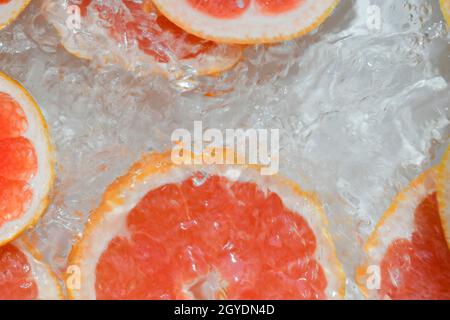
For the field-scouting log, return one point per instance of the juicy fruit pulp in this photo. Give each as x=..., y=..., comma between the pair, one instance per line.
x=16, y=278
x=18, y=161
x=233, y=8
x=208, y=237
x=154, y=34
x=419, y=268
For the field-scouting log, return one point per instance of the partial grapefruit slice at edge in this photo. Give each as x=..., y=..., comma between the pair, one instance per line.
x=156, y=170
x=398, y=226
x=41, y=182
x=252, y=25
x=11, y=10
x=444, y=193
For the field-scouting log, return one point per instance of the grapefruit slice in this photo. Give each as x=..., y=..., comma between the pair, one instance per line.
x=247, y=21
x=165, y=231
x=445, y=6
x=136, y=36
x=408, y=250
x=10, y=10
x=23, y=275
x=444, y=193
x=26, y=165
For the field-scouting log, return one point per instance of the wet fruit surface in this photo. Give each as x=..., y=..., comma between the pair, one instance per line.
x=211, y=238
x=18, y=162
x=419, y=268
x=278, y=6
x=221, y=9
x=14, y=199
x=16, y=279
x=232, y=8
x=13, y=122
x=154, y=34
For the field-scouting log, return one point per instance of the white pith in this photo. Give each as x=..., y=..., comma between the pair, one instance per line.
x=113, y=223
x=10, y=11
x=47, y=285
x=251, y=26
x=41, y=182
x=85, y=44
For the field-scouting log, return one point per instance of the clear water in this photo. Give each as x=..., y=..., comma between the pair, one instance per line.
x=361, y=112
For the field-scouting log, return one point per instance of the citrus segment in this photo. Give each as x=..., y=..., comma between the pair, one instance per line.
x=23, y=276
x=277, y=6
x=444, y=193
x=26, y=172
x=409, y=246
x=10, y=9
x=18, y=161
x=169, y=232
x=12, y=118
x=16, y=277
x=15, y=197
x=139, y=37
x=221, y=9
x=249, y=21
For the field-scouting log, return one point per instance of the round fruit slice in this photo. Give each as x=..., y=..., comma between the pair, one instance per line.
x=247, y=21
x=445, y=6
x=444, y=193
x=23, y=275
x=10, y=10
x=408, y=256
x=135, y=35
x=165, y=231
x=26, y=165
